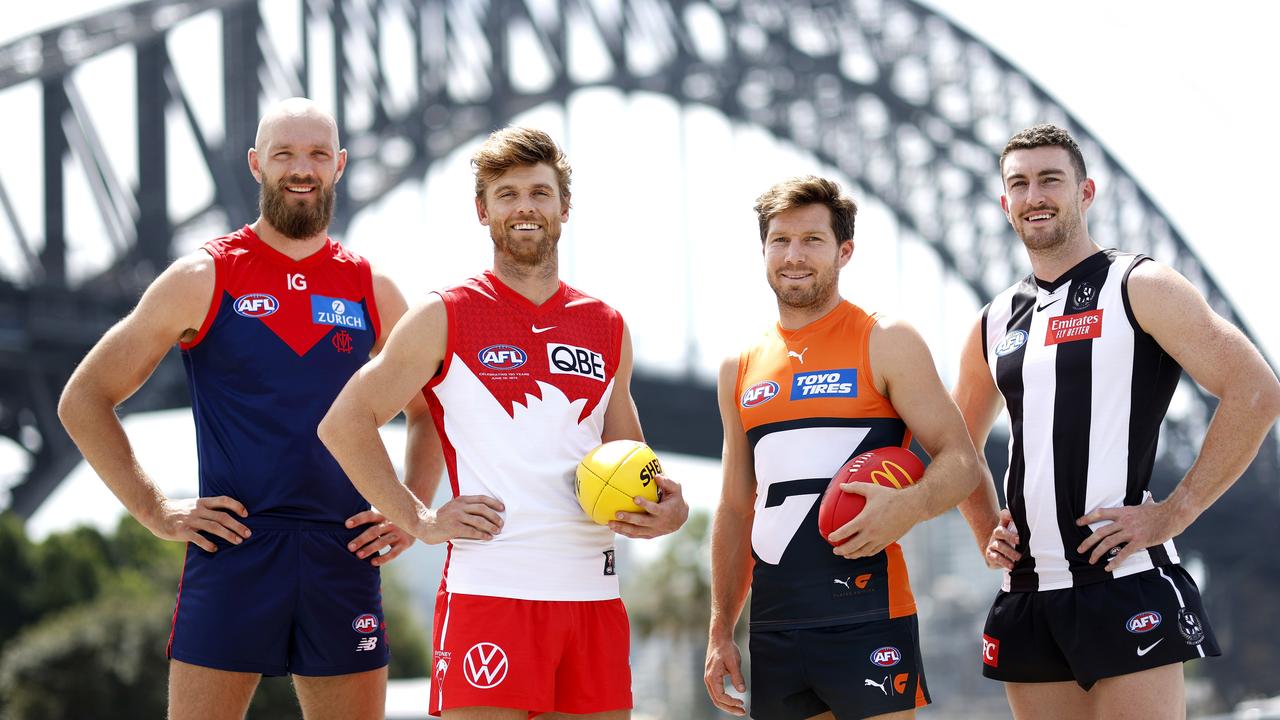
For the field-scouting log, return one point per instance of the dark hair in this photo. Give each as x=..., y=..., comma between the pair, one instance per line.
x=807, y=190
x=1046, y=135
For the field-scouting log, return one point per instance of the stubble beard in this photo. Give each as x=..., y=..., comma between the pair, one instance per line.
x=1061, y=235
x=805, y=298
x=296, y=222
x=525, y=256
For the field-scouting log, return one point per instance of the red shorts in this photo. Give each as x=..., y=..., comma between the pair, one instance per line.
x=542, y=656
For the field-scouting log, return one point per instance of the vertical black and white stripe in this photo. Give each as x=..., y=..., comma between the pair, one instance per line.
x=1084, y=416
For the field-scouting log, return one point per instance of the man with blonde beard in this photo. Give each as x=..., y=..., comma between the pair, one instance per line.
x=524, y=376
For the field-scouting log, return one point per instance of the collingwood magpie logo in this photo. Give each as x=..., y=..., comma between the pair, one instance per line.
x=1083, y=296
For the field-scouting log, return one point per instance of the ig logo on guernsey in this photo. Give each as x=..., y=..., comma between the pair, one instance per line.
x=759, y=394
x=256, y=305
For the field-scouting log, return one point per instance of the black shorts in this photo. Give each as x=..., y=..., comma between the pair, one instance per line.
x=855, y=671
x=1087, y=633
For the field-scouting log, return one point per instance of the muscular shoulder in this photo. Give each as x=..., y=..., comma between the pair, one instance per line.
x=1158, y=293
x=894, y=335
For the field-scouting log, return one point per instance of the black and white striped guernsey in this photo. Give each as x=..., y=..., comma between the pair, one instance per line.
x=1086, y=391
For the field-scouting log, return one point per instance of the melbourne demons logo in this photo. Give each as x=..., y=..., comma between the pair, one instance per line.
x=485, y=665
x=256, y=305
x=502, y=357
x=1145, y=621
x=759, y=394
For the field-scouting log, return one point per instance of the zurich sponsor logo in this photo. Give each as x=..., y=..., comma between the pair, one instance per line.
x=336, y=311
x=759, y=394
x=502, y=357
x=256, y=305
x=1012, y=340
x=825, y=383
x=887, y=656
x=1145, y=621
x=365, y=624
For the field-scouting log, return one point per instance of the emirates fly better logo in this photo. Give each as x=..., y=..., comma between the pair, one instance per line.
x=485, y=665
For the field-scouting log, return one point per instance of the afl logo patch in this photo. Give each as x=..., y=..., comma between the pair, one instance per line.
x=1145, y=621
x=365, y=624
x=502, y=357
x=759, y=394
x=255, y=305
x=887, y=656
x=1011, y=341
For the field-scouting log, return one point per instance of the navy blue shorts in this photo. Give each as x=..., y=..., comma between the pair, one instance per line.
x=290, y=599
x=855, y=671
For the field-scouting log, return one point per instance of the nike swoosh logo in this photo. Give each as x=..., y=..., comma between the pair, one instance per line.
x=537, y=330
x=1042, y=307
x=1144, y=650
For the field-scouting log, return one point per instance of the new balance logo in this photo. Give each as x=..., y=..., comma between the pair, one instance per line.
x=367, y=644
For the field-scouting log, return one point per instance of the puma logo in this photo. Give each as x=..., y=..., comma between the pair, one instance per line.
x=872, y=683
x=844, y=582
x=797, y=355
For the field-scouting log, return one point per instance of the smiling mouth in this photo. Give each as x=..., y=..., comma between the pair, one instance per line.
x=526, y=226
x=1040, y=217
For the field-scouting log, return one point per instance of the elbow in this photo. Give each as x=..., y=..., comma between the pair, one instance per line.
x=328, y=430
x=68, y=404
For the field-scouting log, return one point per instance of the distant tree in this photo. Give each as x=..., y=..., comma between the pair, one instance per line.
x=17, y=577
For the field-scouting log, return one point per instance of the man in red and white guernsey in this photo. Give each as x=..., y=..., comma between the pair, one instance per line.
x=1096, y=617
x=524, y=376
x=281, y=573
x=833, y=632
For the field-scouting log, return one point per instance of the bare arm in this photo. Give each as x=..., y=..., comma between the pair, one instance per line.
x=903, y=365
x=424, y=458
x=622, y=422
x=376, y=393
x=1223, y=361
x=172, y=309
x=731, y=561
x=979, y=401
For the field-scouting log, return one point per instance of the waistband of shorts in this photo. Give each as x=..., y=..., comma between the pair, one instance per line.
x=278, y=523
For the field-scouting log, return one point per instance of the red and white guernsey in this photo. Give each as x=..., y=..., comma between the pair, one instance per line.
x=520, y=399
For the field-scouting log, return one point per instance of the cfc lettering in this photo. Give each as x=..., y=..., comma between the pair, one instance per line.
x=573, y=360
x=990, y=650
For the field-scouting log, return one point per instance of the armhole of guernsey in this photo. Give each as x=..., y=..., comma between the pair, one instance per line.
x=370, y=297
x=743, y=357
x=872, y=320
x=1124, y=293
x=215, y=302
x=986, y=360
x=618, y=324
x=447, y=297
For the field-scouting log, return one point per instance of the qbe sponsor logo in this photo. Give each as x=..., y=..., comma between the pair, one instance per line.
x=825, y=383
x=990, y=651
x=1010, y=343
x=485, y=665
x=887, y=656
x=256, y=305
x=573, y=360
x=336, y=311
x=1143, y=622
x=365, y=624
x=502, y=357
x=759, y=394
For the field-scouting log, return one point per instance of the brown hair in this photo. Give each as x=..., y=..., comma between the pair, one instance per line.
x=807, y=190
x=517, y=147
x=1046, y=135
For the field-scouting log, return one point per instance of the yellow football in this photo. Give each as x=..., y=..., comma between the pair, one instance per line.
x=610, y=476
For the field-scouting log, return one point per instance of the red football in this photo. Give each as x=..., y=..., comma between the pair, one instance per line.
x=893, y=467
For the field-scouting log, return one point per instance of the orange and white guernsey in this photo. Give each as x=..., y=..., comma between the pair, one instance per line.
x=519, y=400
x=808, y=403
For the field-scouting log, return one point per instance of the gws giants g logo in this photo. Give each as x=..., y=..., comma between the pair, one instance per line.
x=759, y=394
x=1012, y=340
x=502, y=357
x=256, y=305
x=886, y=656
x=1145, y=621
x=365, y=624
x=485, y=665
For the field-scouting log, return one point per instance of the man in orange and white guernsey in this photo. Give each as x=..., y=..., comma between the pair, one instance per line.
x=1096, y=616
x=833, y=631
x=524, y=376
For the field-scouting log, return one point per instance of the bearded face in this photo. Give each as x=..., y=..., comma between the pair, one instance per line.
x=299, y=207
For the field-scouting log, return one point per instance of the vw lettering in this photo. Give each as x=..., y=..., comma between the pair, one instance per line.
x=502, y=357
x=573, y=360
x=256, y=305
x=1145, y=621
x=759, y=394
x=365, y=624
x=887, y=656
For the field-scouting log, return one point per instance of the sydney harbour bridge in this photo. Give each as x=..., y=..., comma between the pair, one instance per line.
x=903, y=102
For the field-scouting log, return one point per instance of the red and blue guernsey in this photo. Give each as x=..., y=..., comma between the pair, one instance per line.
x=280, y=340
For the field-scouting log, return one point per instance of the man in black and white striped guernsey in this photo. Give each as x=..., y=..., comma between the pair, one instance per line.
x=1096, y=616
